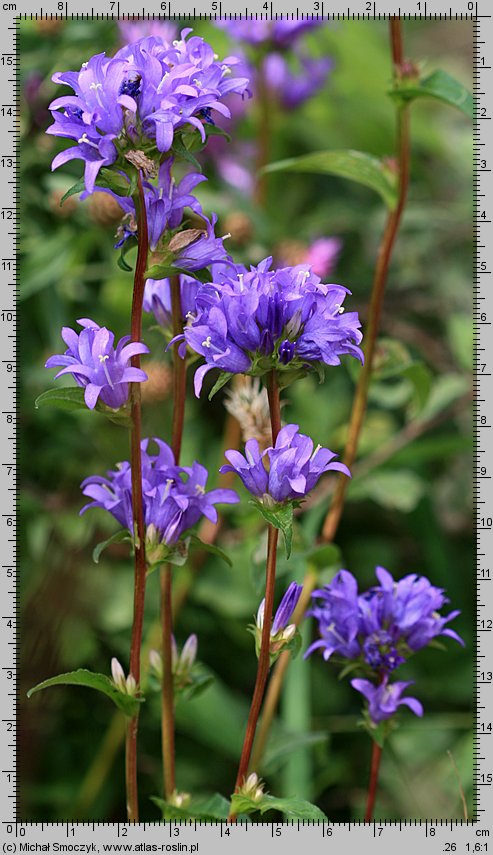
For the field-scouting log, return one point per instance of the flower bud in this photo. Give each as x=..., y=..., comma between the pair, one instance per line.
x=131, y=685
x=179, y=800
x=188, y=653
x=253, y=788
x=118, y=675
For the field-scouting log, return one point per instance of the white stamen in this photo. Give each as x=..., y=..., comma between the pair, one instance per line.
x=176, y=43
x=225, y=237
x=316, y=450
x=87, y=141
x=171, y=188
x=207, y=342
x=226, y=70
x=200, y=490
x=103, y=358
x=216, y=56
x=197, y=82
x=240, y=280
x=190, y=316
x=85, y=64
x=96, y=86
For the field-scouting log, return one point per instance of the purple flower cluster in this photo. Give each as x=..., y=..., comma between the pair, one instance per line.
x=103, y=370
x=165, y=203
x=294, y=466
x=379, y=630
x=252, y=322
x=279, y=33
x=290, y=73
x=174, y=497
x=140, y=97
x=157, y=295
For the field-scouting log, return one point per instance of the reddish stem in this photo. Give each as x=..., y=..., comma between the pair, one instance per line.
x=378, y=291
x=270, y=583
x=167, y=692
x=137, y=503
x=376, y=756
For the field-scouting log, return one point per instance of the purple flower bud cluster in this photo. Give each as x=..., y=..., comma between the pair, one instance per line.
x=255, y=321
x=294, y=467
x=174, y=497
x=379, y=630
x=142, y=96
x=165, y=203
x=96, y=365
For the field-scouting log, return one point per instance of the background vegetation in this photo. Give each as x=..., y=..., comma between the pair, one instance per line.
x=409, y=504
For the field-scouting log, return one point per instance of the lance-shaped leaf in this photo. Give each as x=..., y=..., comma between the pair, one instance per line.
x=291, y=808
x=120, y=537
x=209, y=547
x=281, y=517
x=72, y=398
x=63, y=399
x=128, y=704
x=224, y=377
x=208, y=809
x=354, y=165
x=439, y=85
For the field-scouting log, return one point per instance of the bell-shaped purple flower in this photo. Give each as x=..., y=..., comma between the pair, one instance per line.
x=287, y=315
x=207, y=249
x=386, y=698
x=96, y=365
x=139, y=99
x=174, y=497
x=157, y=299
x=294, y=466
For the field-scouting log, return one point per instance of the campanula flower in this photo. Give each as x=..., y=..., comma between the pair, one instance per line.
x=282, y=633
x=140, y=98
x=294, y=467
x=384, y=699
x=103, y=370
x=385, y=625
x=286, y=319
x=165, y=203
x=174, y=497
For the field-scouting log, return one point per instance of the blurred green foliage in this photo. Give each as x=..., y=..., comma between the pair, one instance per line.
x=409, y=504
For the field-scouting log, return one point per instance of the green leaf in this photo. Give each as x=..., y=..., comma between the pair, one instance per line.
x=207, y=809
x=441, y=86
x=209, y=547
x=63, y=399
x=224, y=378
x=126, y=703
x=281, y=517
x=291, y=808
x=215, y=131
x=354, y=165
x=398, y=490
x=78, y=187
x=119, y=537
x=179, y=149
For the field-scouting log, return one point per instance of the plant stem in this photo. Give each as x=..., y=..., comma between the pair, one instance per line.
x=263, y=659
x=359, y=406
x=137, y=503
x=376, y=302
x=376, y=756
x=270, y=583
x=167, y=691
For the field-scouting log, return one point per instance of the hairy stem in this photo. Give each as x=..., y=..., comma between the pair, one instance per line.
x=361, y=395
x=270, y=583
x=137, y=503
x=264, y=103
x=376, y=756
x=167, y=692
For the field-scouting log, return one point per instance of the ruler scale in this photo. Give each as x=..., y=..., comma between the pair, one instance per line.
x=461, y=836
